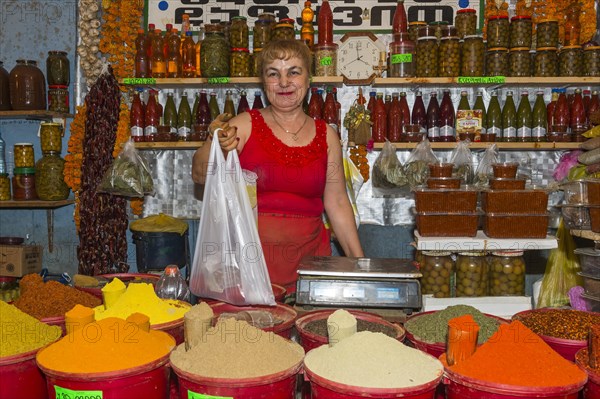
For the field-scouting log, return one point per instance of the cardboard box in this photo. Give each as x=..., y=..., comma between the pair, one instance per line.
x=19, y=260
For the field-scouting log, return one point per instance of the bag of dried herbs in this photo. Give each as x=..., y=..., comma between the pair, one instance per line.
x=128, y=176
x=484, y=169
x=463, y=163
x=416, y=167
x=387, y=169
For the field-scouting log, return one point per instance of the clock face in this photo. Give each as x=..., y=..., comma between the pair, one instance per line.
x=357, y=55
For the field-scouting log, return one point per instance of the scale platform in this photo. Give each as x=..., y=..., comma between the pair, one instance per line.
x=359, y=282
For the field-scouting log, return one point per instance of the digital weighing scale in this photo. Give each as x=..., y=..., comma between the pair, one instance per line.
x=359, y=282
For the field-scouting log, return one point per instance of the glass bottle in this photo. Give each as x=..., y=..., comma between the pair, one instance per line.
x=447, y=118
x=524, y=118
x=419, y=114
x=153, y=114
x=578, y=118
x=480, y=106
x=142, y=62
x=394, y=120
x=463, y=104
x=203, y=117
x=338, y=105
x=561, y=117
x=197, y=48
x=387, y=101
x=493, y=119
x=257, y=103
x=172, y=285
x=307, y=32
x=325, y=23
x=2, y=155
x=539, y=121
x=371, y=103
x=314, y=109
x=137, y=116
x=594, y=103
x=166, y=36
x=433, y=118
x=158, y=64
x=184, y=119
x=404, y=114
x=379, y=119
x=188, y=54
x=170, y=117
x=509, y=118
x=150, y=43
x=464, y=119
x=214, y=52
x=400, y=22
x=550, y=110
x=228, y=108
x=195, y=106
x=330, y=114
x=586, y=102
x=185, y=24
x=572, y=26
x=213, y=105
x=243, y=105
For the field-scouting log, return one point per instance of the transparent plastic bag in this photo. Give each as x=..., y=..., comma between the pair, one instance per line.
x=416, y=167
x=463, y=162
x=387, y=169
x=229, y=264
x=484, y=169
x=128, y=175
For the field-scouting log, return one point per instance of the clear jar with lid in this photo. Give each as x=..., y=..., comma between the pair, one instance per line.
x=591, y=61
x=498, y=31
x=49, y=179
x=57, y=68
x=239, y=65
x=497, y=62
x=58, y=98
x=238, y=32
x=570, y=61
x=473, y=56
x=284, y=30
x=214, y=52
x=4, y=89
x=51, y=134
x=4, y=187
x=326, y=59
x=438, y=274
x=427, y=53
x=546, y=33
x=521, y=31
x=520, y=62
x=466, y=22
x=507, y=273
x=23, y=184
x=437, y=28
x=413, y=29
x=255, y=58
x=9, y=289
x=402, y=57
x=471, y=274
x=449, y=53
x=27, y=86
x=23, y=155
x=226, y=29
x=546, y=62
x=261, y=33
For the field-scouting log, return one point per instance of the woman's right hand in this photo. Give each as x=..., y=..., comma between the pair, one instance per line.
x=227, y=134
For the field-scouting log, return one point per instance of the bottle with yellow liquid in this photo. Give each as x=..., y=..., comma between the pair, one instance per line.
x=307, y=33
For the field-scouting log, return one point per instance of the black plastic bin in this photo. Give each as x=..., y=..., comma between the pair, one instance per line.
x=154, y=251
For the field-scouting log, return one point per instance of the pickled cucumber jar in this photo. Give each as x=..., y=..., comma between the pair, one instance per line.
x=507, y=273
x=49, y=180
x=473, y=56
x=51, y=136
x=326, y=59
x=497, y=62
x=4, y=187
x=466, y=22
x=214, y=52
x=427, y=53
x=546, y=34
x=591, y=61
x=449, y=56
x=23, y=155
x=519, y=62
x=261, y=33
x=570, y=61
x=471, y=274
x=546, y=62
x=284, y=30
x=255, y=57
x=413, y=29
x=402, y=57
x=498, y=31
x=239, y=65
x=521, y=30
x=57, y=68
x=438, y=274
x=238, y=33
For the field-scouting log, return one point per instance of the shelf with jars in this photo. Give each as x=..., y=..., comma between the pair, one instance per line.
x=34, y=115
x=494, y=81
x=33, y=204
x=481, y=242
x=178, y=83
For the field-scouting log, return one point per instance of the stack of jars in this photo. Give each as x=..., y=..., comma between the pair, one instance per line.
x=49, y=179
x=239, y=62
x=23, y=181
x=261, y=35
x=58, y=77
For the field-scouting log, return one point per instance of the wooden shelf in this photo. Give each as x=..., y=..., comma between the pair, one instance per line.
x=170, y=145
x=36, y=114
x=197, y=82
x=547, y=146
x=481, y=242
x=36, y=204
x=526, y=81
x=588, y=234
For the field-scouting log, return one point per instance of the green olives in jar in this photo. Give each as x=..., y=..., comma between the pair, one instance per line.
x=255, y=56
x=471, y=274
x=51, y=136
x=498, y=31
x=23, y=155
x=591, y=61
x=449, y=57
x=283, y=31
x=466, y=22
x=4, y=187
x=473, y=56
x=214, y=52
x=413, y=29
x=438, y=26
x=521, y=31
x=519, y=62
x=546, y=62
x=570, y=61
x=326, y=59
x=438, y=273
x=507, y=273
x=239, y=65
x=546, y=34
x=238, y=33
x=49, y=180
x=497, y=62
x=427, y=56
x=261, y=33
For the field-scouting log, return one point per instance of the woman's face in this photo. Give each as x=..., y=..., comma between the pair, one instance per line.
x=286, y=83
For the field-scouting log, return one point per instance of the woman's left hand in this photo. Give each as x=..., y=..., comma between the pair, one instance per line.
x=226, y=133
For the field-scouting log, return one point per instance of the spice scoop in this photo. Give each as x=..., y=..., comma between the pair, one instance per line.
x=462, y=339
x=140, y=320
x=112, y=291
x=78, y=317
x=341, y=324
x=196, y=323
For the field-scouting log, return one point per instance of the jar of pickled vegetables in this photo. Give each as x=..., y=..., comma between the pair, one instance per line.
x=471, y=274
x=402, y=57
x=473, y=55
x=497, y=62
x=570, y=61
x=326, y=59
x=23, y=155
x=546, y=34
x=519, y=62
x=591, y=61
x=507, y=273
x=255, y=57
x=238, y=32
x=51, y=136
x=283, y=31
x=239, y=65
x=49, y=180
x=214, y=52
x=23, y=184
x=413, y=29
x=261, y=33
x=521, y=31
x=438, y=274
x=9, y=289
x=427, y=53
x=498, y=31
x=438, y=26
x=546, y=62
x=4, y=187
x=449, y=56
x=466, y=22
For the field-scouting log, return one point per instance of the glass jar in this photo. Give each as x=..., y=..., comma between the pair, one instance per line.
x=270, y=18
x=23, y=155
x=49, y=179
x=546, y=34
x=283, y=31
x=23, y=184
x=498, y=31
x=51, y=134
x=449, y=57
x=546, y=62
x=261, y=33
x=58, y=99
x=438, y=273
x=466, y=22
x=520, y=31
x=226, y=29
x=214, y=52
x=326, y=59
x=570, y=61
x=255, y=66
x=427, y=54
x=4, y=89
x=473, y=56
x=9, y=289
x=239, y=65
x=591, y=61
x=57, y=68
x=238, y=33
x=27, y=87
x=520, y=62
x=438, y=26
x=4, y=187
x=471, y=274
x=507, y=273
x=497, y=62
x=402, y=57
x=413, y=29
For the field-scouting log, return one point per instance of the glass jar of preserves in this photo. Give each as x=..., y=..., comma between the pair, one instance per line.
x=507, y=273
x=284, y=30
x=23, y=155
x=27, y=86
x=438, y=26
x=471, y=274
x=466, y=22
x=546, y=34
x=240, y=62
x=226, y=29
x=4, y=89
x=49, y=179
x=255, y=66
x=402, y=57
x=326, y=59
x=570, y=61
x=519, y=62
x=57, y=68
x=9, y=289
x=449, y=56
x=214, y=52
x=520, y=31
x=497, y=62
x=546, y=62
x=51, y=134
x=413, y=29
x=261, y=33
x=4, y=187
x=498, y=31
x=269, y=17
x=23, y=184
x=427, y=54
x=473, y=56
x=591, y=61
x=58, y=99
x=238, y=32
x=438, y=274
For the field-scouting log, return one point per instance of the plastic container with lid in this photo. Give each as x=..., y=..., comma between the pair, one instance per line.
x=519, y=62
x=239, y=65
x=507, y=273
x=473, y=56
x=498, y=31
x=546, y=62
x=23, y=155
x=261, y=33
x=23, y=184
x=49, y=179
x=466, y=22
x=413, y=29
x=51, y=136
x=570, y=61
x=326, y=59
x=589, y=260
x=214, y=52
x=427, y=55
x=57, y=68
x=497, y=62
x=471, y=274
x=4, y=187
x=520, y=31
x=402, y=57
x=546, y=33
x=438, y=274
x=449, y=53
x=591, y=61
x=284, y=30
x=238, y=32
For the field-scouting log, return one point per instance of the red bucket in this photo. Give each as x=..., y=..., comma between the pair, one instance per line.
x=592, y=388
x=149, y=381
x=310, y=340
x=280, y=311
x=174, y=327
x=280, y=385
x=20, y=377
x=124, y=277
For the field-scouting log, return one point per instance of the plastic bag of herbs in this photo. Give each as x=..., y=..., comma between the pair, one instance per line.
x=128, y=176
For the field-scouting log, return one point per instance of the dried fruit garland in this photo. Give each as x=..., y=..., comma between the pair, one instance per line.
x=74, y=157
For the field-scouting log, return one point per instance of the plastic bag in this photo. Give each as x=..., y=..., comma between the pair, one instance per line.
x=229, y=264
x=484, y=169
x=561, y=271
x=463, y=162
x=416, y=168
x=128, y=176
x=387, y=169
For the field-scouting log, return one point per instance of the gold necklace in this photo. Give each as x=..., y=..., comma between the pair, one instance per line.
x=294, y=134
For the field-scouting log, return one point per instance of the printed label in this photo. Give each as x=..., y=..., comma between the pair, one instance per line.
x=194, y=395
x=139, y=81
x=184, y=131
x=538, y=131
x=150, y=130
x=64, y=393
x=223, y=79
x=446, y=131
x=433, y=132
x=524, y=132
x=469, y=121
x=173, y=130
x=326, y=61
x=401, y=58
x=509, y=132
x=137, y=131
x=481, y=80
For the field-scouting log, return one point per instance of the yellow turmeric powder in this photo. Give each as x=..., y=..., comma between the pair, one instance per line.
x=107, y=345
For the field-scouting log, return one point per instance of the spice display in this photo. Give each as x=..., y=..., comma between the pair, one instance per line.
x=214, y=53
x=197, y=321
x=497, y=62
x=438, y=271
x=432, y=327
x=462, y=339
x=326, y=59
x=546, y=62
x=50, y=299
x=238, y=33
x=232, y=356
x=547, y=33
x=23, y=155
x=427, y=56
x=498, y=31
x=560, y=323
x=49, y=178
x=520, y=31
x=466, y=22
x=384, y=362
x=58, y=99
x=23, y=184
x=449, y=57
x=239, y=65
x=471, y=274
x=519, y=62
x=23, y=333
x=112, y=350
x=473, y=56
x=591, y=61
x=570, y=61
x=4, y=187
x=319, y=327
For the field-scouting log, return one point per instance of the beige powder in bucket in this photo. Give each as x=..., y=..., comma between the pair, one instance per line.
x=341, y=324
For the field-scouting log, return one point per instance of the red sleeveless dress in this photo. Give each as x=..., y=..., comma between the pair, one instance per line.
x=290, y=187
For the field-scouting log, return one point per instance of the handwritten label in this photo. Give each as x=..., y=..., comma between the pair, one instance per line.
x=194, y=395
x=139, y=81
x=64, y=393
x=220, y=80
x=401, y=58
x=326, y=61
x=481, y=80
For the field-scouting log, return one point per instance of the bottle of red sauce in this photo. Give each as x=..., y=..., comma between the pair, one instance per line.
x=315, y=110
x=330, y=111
x=395, y=120
x=594, y=103
x=419, y=115
x=404, y=114
x=243, y=105
x=561, y=116
x=379, y=118
x=137, y=117
x=433, y=118
x=447, y=118
x=400, y=22
x=152, y=117
x=203, y=116
x=578, y=123
x=371, y=103
x=325, y=23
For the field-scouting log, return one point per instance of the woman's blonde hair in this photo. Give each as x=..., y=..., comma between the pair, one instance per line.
x=284, y=50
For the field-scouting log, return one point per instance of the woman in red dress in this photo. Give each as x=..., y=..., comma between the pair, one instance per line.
x=298, y=161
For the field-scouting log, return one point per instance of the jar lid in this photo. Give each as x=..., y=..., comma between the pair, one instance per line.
x=449, y=38
x=574, y=47
x=239, y=18
x=545, y=20
x=24, y=171
x=591, y=48
x=284, y=25
x=498, y=49
x=497, y=17
x=547, y=49
x=509, y=253
x=51, y=87
x=286, y=21
x=23, y=144
x=427, y=38
x=520, y=49
x=436, y=253
x=473, y=253
x=466, y=10
x=240, y=49
x=417, y=23
x=519, y=17
x=473, y=37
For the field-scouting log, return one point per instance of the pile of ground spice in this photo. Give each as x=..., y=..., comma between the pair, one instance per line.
x=560, y=323
x=319, y=327
x=433, y=327
x=50, y=299
x=373, y=360
x=21, y=333
x=235, y=349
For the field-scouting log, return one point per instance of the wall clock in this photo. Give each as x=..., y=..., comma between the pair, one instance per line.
x=358, y=56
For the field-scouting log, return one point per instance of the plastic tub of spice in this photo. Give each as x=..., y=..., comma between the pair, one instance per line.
x=127, y=278
x=283, y=316
x=592, y=388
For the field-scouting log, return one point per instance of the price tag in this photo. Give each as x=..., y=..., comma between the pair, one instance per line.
x=401, y=58
x=220, y=80
x=326, y=61
x=482, y=79
x=139, y=81
x=194, y=395
x=64, y=393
